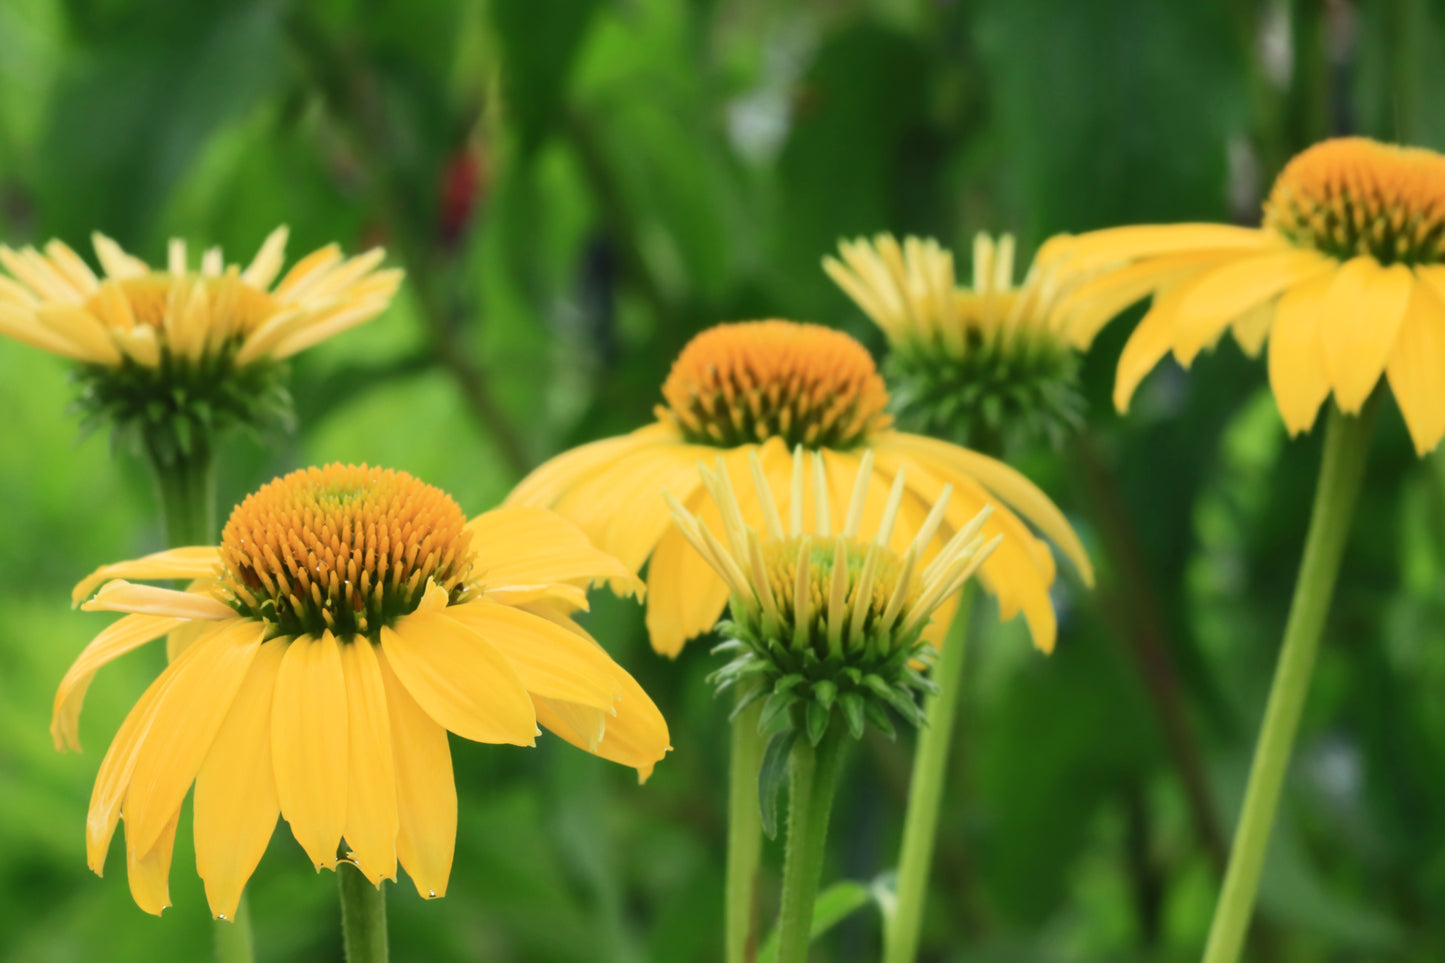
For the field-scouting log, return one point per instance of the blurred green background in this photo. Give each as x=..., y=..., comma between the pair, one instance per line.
x=574, y=188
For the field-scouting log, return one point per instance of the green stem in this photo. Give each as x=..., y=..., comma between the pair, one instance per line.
x=186, y=488
x=814, y=780
x=363, y=916
x=1342, y=471
x=745, y=838
x=234, y=940
x=925, y=793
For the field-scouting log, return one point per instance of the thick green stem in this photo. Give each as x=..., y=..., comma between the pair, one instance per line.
x=745, y=838
x=363, y=916
x=234, y=941
x=925, y=793
x=814, y=780
x=186, y=488
x=1341, y=473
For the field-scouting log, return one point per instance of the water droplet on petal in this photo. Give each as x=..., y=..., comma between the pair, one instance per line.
x=431, y=894
x=220, y=916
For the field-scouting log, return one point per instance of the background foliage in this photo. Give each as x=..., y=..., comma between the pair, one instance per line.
x=575, y=187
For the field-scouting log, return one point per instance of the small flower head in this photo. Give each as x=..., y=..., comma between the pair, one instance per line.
x=349, y=620
x=172, y=356
x=978, y=365
x=825, y=620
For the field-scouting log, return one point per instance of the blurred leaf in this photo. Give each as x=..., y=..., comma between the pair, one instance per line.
x=834, y=904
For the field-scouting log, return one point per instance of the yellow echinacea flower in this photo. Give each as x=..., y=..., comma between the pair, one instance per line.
x=1345, y=279
x=761, y=388
x=350, y=618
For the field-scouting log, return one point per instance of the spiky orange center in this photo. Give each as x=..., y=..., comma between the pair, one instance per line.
x=346, y=548
x=744, y=383
x=230, y=303
x=780, y=564
x=1354, y=196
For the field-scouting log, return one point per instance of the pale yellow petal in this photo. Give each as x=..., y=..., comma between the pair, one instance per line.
x=149, y=872
x=1296, y=356
x=306, y=273
x=236, y=807
x=187, y=563
x=548, y=660
x=320, y=327
x=459, y=679
x=1219, y=297
x=268, y=260
x=371, y=804
x=113, y=778
x=123, y=596
x=81, y=329
x=186, y=721
x=1358, y=321
x=426, y=796
x=71, y=267
x=22, y=325
x=1417, y=368
x=309, y=745
x=115, y=261
x=122, y=636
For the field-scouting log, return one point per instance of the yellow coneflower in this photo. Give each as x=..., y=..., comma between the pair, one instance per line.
x=1345, y=279
x=349, y=619
x=762, y=388
x=972, y=363
x=827, y=618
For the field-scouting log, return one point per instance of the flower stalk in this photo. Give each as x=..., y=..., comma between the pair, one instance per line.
x=1342, y=471
x=363, y=916
x=814, y=782
x=925, y=792
x=745, y=836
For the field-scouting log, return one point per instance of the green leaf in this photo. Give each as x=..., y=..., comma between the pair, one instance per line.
x=833, y=906
x=770, y=779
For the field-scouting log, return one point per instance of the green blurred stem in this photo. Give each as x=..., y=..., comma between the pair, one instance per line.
x=234, y=941
x=925, y=792
x=814, y=781
x=186, y=488
x=363, y=916
x=1341, y=474
x=745, y=837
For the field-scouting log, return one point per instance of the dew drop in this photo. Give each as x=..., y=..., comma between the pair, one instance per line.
x=431, y=894
x=220, y=916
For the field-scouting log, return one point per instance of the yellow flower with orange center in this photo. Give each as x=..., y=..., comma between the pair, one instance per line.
x=762, y=388
x=350, y=618
x=1345, y=279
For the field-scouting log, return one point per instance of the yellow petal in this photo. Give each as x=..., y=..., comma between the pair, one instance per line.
x=150, y=872
x=306, y=273
x=113, y=779
x=622, y=509
x=22, y=325
x=319, y=327
x=122, y=636
x=685, y=597
x=1296, y=357
x=268, y=260
x=115, y=261
x=1147, y=346
x=459, y=679
x=186, y=721
x=1008, y=485
x=548, y=660
x=371, y=807
x=527, y=545
x=74, y=270
x=1220, y=296
x=1083, y=312
x=553, y=479
x=123, y=596
x=1097, y=249
x=309, y=745
x=235, y=803
x=426, y=796
x=81, y=329
x=1417, y=368
x=185, y=563
x=1358, y=320
x=635, y=737
x=1251, y=328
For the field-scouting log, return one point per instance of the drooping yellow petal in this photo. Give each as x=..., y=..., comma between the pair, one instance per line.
x=371, y=807
x=20, y=324
x=113, y=779
x=309, y=745
x=122, y=636
x=548, y=483
x=1416, y=366
x=685, y=597
x=1097, y=249
x=1008, y=485
x=548, y=660
x=426, y=796
x=235, y=802
x=523, y=545
x=186, y=721
x=622, y=509
x=635, y=737
x=1083, y=313
x=123, y=596
x=1222, y=295
x=81, y=329
x=150, y=872
x=1147, y=346
x=1296, y=357
x=1358, y=321
x=459, y=679
x=187, y=563
x=1251, y=328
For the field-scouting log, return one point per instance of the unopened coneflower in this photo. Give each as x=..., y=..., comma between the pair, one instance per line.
x=1344, y=280
x=172, y=358
x=982, y=365
x=826, y=626
x=350, y=618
